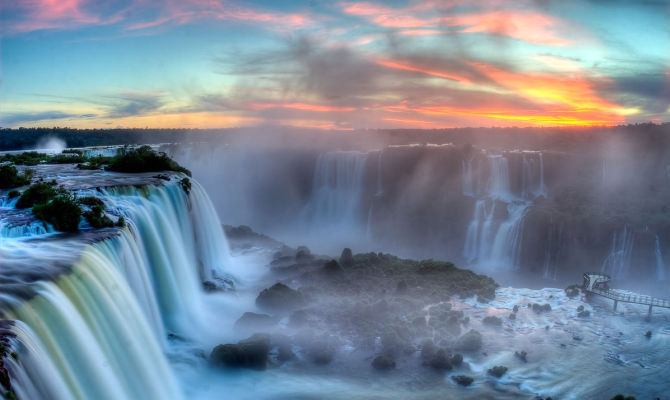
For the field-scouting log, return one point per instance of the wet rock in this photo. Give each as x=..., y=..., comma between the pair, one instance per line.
x=255, y=322
x=279, y=298
x=584, y=314
x=298, y=318
x=538, y=308
x=303, y=255
x=332, y=268
x=251, y=353
x=622, y=397
x=456, y=360
x=347, y=258
x=492, y=321
x=497, y=371
x=321, y=352
x=471, y=341
x=440, y=361
x=648, y=334
x=401, y=287
x=383, y=363
x=515, y=309
x=462, y=380
x=521, y=355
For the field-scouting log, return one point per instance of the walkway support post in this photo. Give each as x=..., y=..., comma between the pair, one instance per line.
x=615, y=303
x=649, y=313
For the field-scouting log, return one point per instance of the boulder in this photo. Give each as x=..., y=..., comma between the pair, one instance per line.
x=497, y=371
x=279, y=298
x=347, y=258
x=383, y=363
x=251, y=353
x=332, y=268
x=471, y=341
x=462, y=380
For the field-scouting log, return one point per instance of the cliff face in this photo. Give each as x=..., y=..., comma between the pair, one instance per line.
x=546, y=213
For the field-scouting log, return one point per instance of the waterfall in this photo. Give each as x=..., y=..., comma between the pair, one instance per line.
x=98, y=329
x=471, y=249
x=660, y=264
x=337, y=191
x=499, y=185
x=617, y=262
x=551, y=250
x=532, y=176
x=380, y=188
x=507, y=242
x=468, y=185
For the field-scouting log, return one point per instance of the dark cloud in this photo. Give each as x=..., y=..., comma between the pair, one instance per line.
x=10, y=119
x=647, y=91
x=135, y=103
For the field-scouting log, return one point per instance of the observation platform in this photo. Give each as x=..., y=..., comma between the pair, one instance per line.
x=598, y=283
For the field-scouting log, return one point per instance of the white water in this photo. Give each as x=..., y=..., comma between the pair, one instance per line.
x=660, y=264
x=617, y=262
x=335, y=207
x=468, y=184
x=100, y=330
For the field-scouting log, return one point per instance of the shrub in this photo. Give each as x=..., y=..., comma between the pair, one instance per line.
x=91, y=201
x=144, y=159
x=63, y=212
x=96, y=217
x=497, y=371
x=13, y=194
x=37, y=193
x=10, y=178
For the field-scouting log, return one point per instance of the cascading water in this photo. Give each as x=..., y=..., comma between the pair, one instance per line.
x=468, y=184
x=490, y=241
x=617, y=263
x=660, y=264
x=337, y=191
x=98, y=328
x=532, y=178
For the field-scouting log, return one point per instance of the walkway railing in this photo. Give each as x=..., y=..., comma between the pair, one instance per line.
x=598, y=283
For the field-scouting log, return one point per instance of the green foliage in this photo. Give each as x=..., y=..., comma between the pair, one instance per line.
x=91, y=201
x=62, y=212
x=13, y=193
x=10, y=178
x=37, y=193
x=34, y=158
x=121, y=222
x=96, y=217
x=144, y=159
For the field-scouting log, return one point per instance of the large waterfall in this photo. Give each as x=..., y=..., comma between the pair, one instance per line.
x=98, y=328
x=495, y=233
x=336, y=201
x=617, y=263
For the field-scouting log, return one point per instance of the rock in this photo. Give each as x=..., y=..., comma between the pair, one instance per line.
x=492, y=321
x=648, y=334
x=462, y=380
x=333, y=268
x=572, y=291
x=250, y=353
x=321, y=352
x=541, y=308
x=255, y=322
x=347, y=258
x=512, y=316
x=279, y=298
x=584, y=314
x=456, y=360
x=471, y=341
x=580, y=308
x=440, y=361
x=515, y=309
x=497, y=371
x=622, y=397
x=383, y=363
x=521, y=355
x=303, y=255
x=428, y=350
x=284, y=348
x=481, y=299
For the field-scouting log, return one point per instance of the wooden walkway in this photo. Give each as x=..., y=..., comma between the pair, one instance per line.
x=597, y=283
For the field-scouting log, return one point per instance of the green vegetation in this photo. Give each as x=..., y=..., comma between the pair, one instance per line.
x=144, y=159
x=10, y=178
x=91, y=201
x=186, y=185
x=34, y=158
x=36, y=194
x=96, y=217
x=63, y=212
x=13, y=193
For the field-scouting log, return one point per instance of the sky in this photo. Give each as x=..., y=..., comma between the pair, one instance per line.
x=333, y=64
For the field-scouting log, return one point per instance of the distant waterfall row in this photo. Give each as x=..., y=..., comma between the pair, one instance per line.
x=494, y=235
x=100, y=331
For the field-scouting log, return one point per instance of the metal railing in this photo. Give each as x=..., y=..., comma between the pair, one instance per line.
x=624, y=297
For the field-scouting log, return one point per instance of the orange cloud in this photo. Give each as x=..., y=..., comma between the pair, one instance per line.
x=407, y=67
x=301, y=106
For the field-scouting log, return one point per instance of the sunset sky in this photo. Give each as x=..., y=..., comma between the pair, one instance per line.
x=333, y=65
